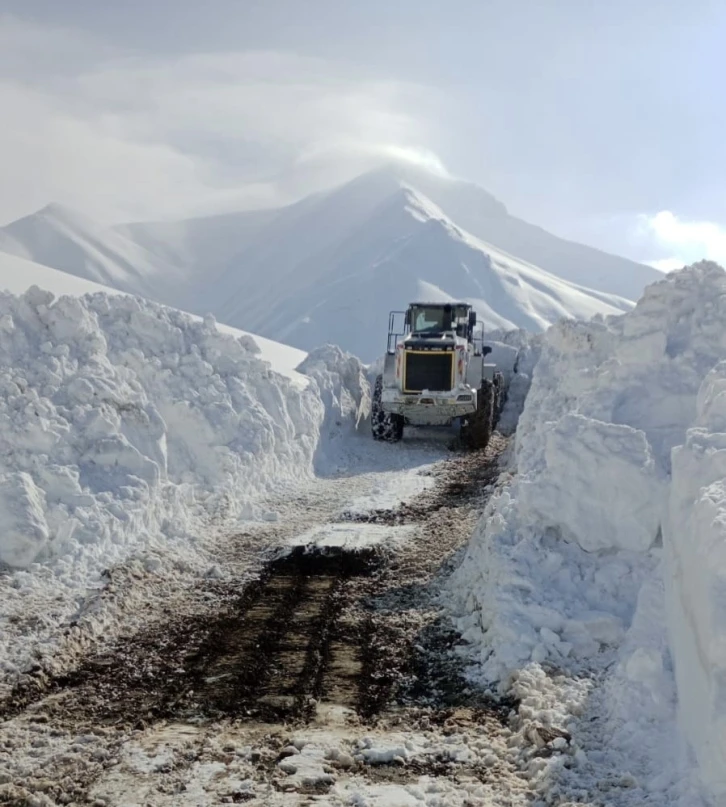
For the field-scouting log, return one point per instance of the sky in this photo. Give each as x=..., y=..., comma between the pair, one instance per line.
x=600, y=122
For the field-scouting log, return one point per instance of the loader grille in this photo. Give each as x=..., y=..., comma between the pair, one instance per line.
x=430, y=370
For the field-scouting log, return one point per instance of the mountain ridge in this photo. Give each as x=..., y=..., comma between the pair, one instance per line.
x=330, y=266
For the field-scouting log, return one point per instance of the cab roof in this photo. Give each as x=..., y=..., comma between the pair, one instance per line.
x=453, y=304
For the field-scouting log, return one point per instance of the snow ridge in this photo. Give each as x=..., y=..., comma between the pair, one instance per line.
x=615, y=518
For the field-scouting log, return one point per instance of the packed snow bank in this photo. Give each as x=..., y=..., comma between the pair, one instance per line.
x=582, y=457
x=566, y=568
x=24, y=528
x=344, y=388
x=695, y=539
x=526, y=595
x=515, y=353
x=119, y=417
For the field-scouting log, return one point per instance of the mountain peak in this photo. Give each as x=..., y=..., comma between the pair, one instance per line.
x=55, y=209
x=64, y=214
x=329, y=266
x=451, y=195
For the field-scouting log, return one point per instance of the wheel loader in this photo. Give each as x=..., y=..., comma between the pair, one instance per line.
x=435, y=374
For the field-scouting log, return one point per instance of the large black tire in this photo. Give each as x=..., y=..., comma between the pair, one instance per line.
x=499, y=399
x=476, y=429
x=384, y=425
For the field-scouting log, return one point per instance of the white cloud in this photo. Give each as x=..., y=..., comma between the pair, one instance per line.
x=123, y=137
x=684, y=241
x=666, y=265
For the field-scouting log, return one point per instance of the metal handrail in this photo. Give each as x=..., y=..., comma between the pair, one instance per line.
x=393, y=336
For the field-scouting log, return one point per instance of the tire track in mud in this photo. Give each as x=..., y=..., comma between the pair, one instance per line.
x=272, y=661
x=268, y=657
x=317, y=628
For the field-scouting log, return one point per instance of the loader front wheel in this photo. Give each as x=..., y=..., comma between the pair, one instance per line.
x=385, y=426
x=500, y=397
x=477, y=429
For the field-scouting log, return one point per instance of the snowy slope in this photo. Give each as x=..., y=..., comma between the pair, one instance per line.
x=479, y=213
x=67, y=240
x=17, y=275
x=212, y=241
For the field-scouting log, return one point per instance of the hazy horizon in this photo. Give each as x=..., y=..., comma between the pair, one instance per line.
x=600, y=124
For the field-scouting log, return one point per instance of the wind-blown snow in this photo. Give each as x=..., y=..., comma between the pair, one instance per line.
x=72, y=242
x=618, y=450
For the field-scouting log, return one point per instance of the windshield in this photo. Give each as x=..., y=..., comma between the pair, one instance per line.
x=436, y=318
x=427, y=319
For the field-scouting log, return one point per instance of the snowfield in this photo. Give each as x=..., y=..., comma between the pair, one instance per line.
x=127, y=426
x=615, y=519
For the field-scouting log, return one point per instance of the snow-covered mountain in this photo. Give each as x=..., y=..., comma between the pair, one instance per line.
x=65, y=239
x=330, y=267
x=405, y=249
x=479, y=213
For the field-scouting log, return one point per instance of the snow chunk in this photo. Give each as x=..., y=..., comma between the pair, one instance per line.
x=599, y=485
x=341, y=381
x=23, y=528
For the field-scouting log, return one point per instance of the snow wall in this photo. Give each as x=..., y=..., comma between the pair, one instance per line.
x=617, y=515
x=695, y=541
x=121, y=419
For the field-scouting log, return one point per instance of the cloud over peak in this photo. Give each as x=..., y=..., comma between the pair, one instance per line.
x=131, y=136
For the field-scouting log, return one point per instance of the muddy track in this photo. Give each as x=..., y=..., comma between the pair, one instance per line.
x=288, y=648
x=317, y=629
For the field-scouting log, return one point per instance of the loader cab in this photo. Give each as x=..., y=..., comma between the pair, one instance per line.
x=438, y=319
x=431, y=321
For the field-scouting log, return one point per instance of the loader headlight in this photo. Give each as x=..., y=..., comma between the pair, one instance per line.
x=464, y=398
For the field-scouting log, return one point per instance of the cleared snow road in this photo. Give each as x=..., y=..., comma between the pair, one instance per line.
x=294, y=673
